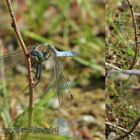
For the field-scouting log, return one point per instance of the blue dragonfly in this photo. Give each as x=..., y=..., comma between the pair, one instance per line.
x=38, y=55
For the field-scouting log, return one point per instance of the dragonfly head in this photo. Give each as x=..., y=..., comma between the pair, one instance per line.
x=41, y=52
x=36, y=56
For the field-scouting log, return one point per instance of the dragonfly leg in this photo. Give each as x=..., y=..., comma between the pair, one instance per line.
x=38, y=71
x=37, y=76
x=34, y=85
x=25, y=88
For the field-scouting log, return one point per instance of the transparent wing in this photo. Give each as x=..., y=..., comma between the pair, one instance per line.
x=13, y=58
x=62, y=88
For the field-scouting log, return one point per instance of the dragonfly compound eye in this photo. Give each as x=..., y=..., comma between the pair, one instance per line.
x=37, y=56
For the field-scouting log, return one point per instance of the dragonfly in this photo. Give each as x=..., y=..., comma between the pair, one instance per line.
x=38, y=55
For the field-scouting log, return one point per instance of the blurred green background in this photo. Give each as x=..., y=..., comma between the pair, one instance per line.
x=76, y=25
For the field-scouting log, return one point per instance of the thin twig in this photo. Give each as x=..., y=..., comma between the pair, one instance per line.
x=118, y=127
x=27, y=57
x=130, y=131
x=135, y=33
x=112, y=66
x=128, y=72
x=118, y=70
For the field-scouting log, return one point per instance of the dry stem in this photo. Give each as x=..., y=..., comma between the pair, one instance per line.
x=27, y=57
x=135, y=33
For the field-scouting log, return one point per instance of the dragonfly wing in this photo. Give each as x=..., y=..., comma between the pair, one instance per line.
x=12, y=58
x=62, y=88
x=15, y=57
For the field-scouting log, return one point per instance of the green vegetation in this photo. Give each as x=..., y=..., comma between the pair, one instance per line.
x=122, y=88
x=68, y=25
